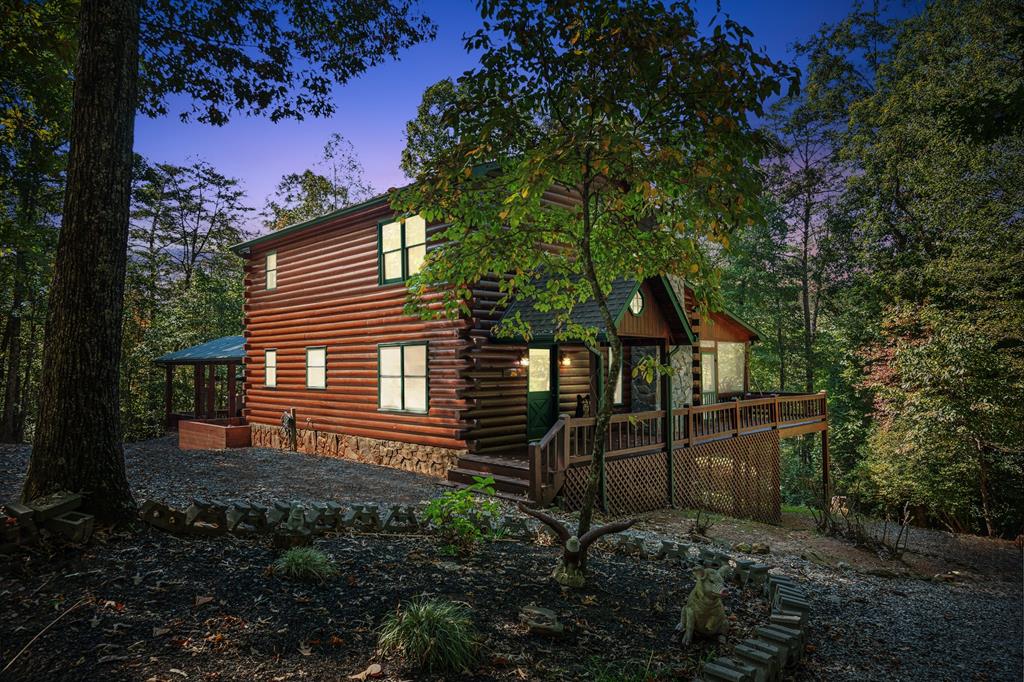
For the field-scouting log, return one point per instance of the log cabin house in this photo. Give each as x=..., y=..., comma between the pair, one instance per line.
x=326, y=341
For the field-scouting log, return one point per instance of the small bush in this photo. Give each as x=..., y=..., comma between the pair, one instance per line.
x=305, y=563
x=430, y=634
x=464, y=517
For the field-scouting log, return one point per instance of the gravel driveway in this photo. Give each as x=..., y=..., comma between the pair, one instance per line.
x=157, y=469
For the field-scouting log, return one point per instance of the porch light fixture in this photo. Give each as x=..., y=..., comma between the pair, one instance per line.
x=566, y=360
x=525, y=360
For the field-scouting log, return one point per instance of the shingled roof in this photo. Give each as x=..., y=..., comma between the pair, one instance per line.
x=587, y=314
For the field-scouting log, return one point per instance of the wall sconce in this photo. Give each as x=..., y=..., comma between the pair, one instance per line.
x=525, y=360
x=566, y=360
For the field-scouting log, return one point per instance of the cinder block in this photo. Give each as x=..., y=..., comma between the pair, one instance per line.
x=72, y=526
x=785, y=639
x=789, y=620
x=726, y=670
x=54, y=505
x=775, y=651
x=765, y=665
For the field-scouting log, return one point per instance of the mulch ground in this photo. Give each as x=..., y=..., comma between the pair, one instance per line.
x=153, y=606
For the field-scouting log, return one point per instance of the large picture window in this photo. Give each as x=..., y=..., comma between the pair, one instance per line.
x=316, y=367
x=402, y=377
x=731, y=357
x=270, y=368
x=403, y=247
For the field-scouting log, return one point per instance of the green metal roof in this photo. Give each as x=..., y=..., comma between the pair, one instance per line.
x=224, y=349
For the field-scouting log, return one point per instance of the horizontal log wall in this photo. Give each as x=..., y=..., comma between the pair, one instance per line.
x=327, y=295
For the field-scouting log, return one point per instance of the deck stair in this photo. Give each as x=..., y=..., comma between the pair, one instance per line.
x=511, y=473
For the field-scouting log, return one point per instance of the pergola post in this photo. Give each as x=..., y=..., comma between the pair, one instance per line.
x=168, y=395
x=211, y=393
x=197, y=407
x=232, y=398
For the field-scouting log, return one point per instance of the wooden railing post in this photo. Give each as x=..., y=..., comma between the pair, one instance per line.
x=535, y=473
x=563, y=462
x=737, y=425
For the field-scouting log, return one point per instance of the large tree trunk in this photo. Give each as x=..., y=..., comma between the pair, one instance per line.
x=10, y=424
x=78, y=440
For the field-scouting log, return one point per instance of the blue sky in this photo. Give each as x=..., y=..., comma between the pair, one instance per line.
x=372, y=110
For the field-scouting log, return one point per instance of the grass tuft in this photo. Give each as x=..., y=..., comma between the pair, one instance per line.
x=305, y=563
x=430, y=634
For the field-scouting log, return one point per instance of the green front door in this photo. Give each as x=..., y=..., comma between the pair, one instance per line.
x=540, y=393
x=708, y=379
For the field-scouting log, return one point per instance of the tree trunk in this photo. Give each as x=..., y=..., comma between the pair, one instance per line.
x=10, y=431
x=78, y=439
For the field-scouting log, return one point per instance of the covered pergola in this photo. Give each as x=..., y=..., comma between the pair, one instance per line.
x=205, y=358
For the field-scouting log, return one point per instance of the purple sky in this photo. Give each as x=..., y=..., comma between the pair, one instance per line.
x=372, y=110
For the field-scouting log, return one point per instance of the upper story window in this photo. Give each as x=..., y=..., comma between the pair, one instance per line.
x=271, y=270
x=402, y=377
x=316, y=367
x=636, y=305
x=270, y=368
x=403, y=246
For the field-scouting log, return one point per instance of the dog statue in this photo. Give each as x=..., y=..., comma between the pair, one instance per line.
x=703, y=612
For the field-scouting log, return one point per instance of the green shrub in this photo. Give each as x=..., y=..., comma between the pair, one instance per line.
x=430, y=634
x=305, y=563
x=464, y=517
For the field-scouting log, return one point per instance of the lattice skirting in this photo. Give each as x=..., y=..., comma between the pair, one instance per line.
x=632, y=484
x=738, y=477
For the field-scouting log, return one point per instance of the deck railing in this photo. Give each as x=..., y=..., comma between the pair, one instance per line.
x=570, y=440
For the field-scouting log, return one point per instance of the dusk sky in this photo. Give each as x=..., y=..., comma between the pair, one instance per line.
x=372, y=110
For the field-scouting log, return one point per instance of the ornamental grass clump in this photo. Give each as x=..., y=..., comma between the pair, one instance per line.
x=430, y=634
x=305, y=563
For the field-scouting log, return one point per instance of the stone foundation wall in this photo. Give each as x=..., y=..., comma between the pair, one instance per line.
x=423, y=459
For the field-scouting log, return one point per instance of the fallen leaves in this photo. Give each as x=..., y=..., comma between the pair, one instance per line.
x=200, y=601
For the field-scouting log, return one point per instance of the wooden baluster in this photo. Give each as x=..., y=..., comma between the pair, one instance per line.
x=737, y=416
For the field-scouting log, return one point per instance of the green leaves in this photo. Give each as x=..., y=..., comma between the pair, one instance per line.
x=276, y=59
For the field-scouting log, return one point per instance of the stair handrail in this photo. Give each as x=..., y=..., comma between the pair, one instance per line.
x=548, y=457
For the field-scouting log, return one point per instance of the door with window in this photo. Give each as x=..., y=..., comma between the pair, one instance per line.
x=540, y=392
x=708, y=379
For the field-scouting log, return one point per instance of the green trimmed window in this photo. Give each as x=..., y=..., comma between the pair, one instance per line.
x=316, y=367
x=270, y=367
x=402, y=377
x=402, y=246
x=617, y=393
x=270, y=265
x=636, y=305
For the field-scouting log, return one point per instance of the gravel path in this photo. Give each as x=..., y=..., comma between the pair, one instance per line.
x=157, y=469
x=864, y=627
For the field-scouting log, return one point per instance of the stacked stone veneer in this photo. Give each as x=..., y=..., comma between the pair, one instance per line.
x=423, y=459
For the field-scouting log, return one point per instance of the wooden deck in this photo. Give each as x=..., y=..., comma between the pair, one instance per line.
x=570, y=440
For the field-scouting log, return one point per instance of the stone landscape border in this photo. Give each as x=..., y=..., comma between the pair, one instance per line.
x=776, y=646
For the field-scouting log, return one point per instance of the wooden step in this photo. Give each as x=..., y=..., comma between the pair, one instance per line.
x=511, y=497
x=509, y=484
x=512, y=467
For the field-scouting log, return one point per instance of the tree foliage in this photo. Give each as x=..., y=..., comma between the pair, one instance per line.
x=305, y=195
x=626, y=108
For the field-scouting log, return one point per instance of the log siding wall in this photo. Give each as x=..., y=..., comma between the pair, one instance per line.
x=328, y=294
